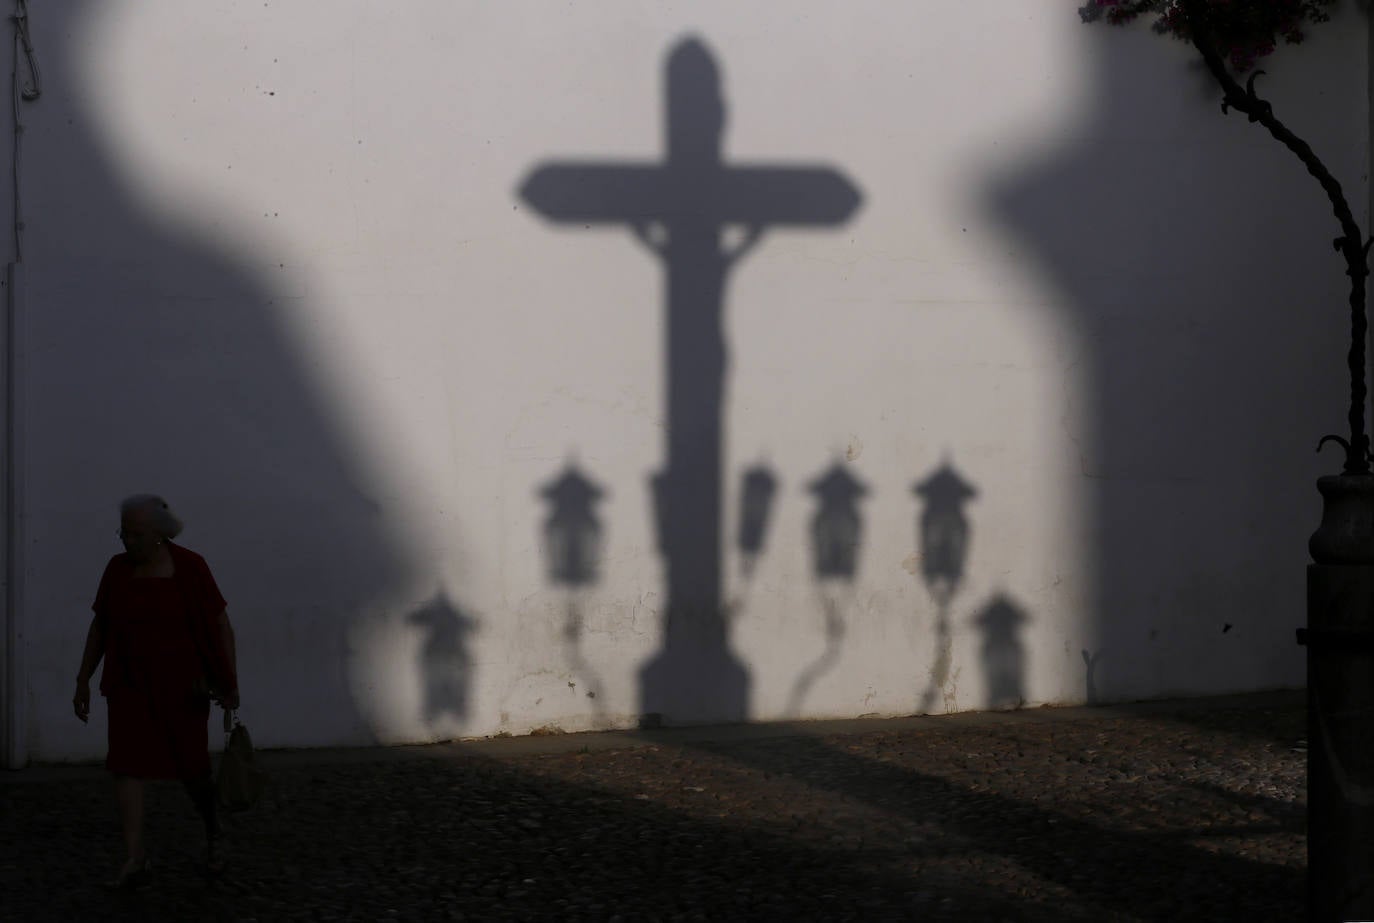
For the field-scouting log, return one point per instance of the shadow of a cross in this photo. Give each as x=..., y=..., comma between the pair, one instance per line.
x=680, y=209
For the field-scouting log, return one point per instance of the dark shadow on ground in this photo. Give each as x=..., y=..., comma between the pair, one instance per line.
x=425, y=839
x=1284, y=730
x=916, y=832
x=681, y=209
x=1116, y=870
x=1288, y=816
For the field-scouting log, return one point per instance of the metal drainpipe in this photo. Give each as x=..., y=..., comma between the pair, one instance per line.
x=26, y=85
x=16, y=731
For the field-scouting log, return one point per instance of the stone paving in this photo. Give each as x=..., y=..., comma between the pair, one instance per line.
x=1188, y=810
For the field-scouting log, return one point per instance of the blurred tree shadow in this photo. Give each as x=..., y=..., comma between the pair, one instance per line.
x=1189, y=327
x=169, y=352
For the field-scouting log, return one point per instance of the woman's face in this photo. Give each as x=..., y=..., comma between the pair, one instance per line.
x=138, y=536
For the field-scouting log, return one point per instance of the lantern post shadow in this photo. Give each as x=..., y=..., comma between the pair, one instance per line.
x=943, y=536
x=836, y=535
x=758, y=488
x=573, y=540
x=680, y=209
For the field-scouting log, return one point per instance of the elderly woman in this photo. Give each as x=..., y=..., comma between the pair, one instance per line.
x=161, y=626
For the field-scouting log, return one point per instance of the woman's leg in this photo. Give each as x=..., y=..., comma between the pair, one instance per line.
x=202, y=792
x=129, y=794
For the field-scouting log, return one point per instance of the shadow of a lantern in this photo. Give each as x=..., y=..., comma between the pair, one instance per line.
x=943, y=535
x=444, y=662
x=757, y=490
x=1090, y=664
x=573, y=543
x=836, y=535
x=756, y=504
x=1002, y=653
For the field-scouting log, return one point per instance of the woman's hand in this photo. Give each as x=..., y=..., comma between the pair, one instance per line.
x=81, y=702
x=229, y=701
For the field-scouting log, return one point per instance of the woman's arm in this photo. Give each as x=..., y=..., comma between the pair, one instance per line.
x=229, y=698
x=90, y=659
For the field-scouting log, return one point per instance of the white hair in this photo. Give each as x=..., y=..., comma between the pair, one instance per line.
x=160, y=516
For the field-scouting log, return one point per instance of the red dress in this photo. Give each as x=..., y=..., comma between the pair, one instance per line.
x=161, y=647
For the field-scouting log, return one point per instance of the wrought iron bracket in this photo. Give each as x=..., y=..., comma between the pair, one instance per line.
x=1357, y=460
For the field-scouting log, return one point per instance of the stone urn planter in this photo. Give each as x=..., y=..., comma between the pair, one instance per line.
x=1346, y=533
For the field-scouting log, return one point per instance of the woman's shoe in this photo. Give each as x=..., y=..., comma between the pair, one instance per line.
x=131, y=878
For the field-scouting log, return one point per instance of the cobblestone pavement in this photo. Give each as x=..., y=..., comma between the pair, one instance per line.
x=1173, y=811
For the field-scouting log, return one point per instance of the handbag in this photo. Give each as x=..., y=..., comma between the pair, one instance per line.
x=239, y=782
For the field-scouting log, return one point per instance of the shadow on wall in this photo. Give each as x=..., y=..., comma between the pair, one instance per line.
x=1205, y=371
x=169, y=356
x=444, y=663
x=699, y=217
x=1090, y=664
x=758, y=487
x=573, y=540
x=758, y=491
x=1001, y=653
x=836, y=535
x=943, y=536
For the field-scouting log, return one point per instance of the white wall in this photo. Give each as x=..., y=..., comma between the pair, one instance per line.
x=281, y=271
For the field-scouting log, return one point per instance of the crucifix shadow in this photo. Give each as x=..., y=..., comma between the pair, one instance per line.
x=699, y=217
